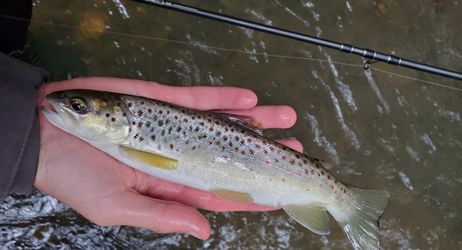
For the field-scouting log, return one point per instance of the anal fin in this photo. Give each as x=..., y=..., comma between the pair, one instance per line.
x=312, y=217
x=151, y=159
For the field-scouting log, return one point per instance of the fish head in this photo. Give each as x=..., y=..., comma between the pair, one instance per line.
x=90, y=115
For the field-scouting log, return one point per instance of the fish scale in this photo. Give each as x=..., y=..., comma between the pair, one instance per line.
x=173, y=137
x=220, y=154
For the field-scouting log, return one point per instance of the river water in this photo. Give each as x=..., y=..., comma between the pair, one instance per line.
x=384, y=131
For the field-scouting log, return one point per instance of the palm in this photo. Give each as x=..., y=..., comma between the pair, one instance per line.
x=110, y=193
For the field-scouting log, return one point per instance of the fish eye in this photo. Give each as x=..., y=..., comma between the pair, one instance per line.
x=78, y=104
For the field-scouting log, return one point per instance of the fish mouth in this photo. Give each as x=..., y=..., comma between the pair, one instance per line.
x=55, y=112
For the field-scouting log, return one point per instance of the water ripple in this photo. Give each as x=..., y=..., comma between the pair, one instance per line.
x=321, y=140
x=370, y=79
x=338, y=111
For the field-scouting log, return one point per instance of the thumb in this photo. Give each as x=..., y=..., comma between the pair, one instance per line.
x=157, y=215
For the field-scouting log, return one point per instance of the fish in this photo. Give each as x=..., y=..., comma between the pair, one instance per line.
x=219, y=153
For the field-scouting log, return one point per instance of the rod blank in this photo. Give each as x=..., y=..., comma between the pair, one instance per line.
x=366, y=53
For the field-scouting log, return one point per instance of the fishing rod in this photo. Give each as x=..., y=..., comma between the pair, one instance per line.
x=369, y=54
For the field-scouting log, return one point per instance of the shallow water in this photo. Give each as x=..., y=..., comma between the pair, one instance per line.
x=383, y=131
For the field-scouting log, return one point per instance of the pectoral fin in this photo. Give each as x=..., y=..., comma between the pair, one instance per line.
x=233, y=195
x=311, y=217
x=151, y=159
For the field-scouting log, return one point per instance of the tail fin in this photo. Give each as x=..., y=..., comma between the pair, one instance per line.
x=362, y=226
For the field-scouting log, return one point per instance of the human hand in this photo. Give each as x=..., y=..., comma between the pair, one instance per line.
x=108, y=192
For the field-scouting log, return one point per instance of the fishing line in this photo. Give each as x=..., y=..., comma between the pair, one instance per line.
x=186, y=43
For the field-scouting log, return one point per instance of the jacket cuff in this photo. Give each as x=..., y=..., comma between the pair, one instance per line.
x=19, y=126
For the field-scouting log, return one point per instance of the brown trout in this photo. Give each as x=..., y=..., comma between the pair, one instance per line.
x=221, y=154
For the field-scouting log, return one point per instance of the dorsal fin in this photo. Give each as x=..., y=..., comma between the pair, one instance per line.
x=243, y=121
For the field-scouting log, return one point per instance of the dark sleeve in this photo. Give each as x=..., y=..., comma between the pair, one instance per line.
x=19, y=126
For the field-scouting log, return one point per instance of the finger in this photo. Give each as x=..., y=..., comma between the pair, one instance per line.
x=280, y=116
x=198, y=97
x=133, y=209
x=292, y=143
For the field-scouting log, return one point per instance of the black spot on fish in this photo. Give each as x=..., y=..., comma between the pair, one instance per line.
x=251, y=152
x=124, y=114
x=225, y=138
x=176, y=117
x=297, y=156
x=163, y=132
x=107, y=115
x=141, y=138
x=148, y=124
x=149, y=111
x=129, y=130
x=167, y=121
x=257, y=146
x=197, y=129
x=140, y=124
x=136, y=136
x=209, y=120
x=202, y=124
x=322, y=172
x=185, y=120
x=170, y=130
x=190, y=128
x=264, y=151
x=142, y=103
x=168, y=112
x=230, y=144
x=305, y=161
x=178, y=129
x=129, y=104
x=154, y=117
x=113, y=119
x=236, y=138
x=292, y=162
x=171, y=146
x=249, y=140
x=160, y=112
x=218, y=133
x=160, y=123
x=242, y=141
x=133, y=123
x=153, y=137
x=243, y=152
x=211, y=129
